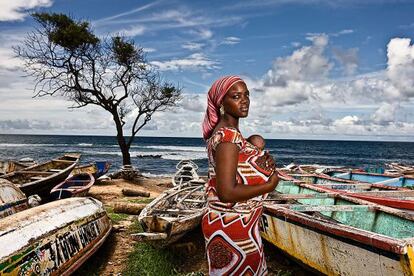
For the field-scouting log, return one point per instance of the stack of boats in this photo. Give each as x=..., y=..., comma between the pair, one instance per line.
x=176, y=211
x=53, y=238
x=343, y=222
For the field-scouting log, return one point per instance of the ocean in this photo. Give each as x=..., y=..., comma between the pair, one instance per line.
x=158, y=156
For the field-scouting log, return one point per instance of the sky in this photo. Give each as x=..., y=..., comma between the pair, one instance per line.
x=316, y=69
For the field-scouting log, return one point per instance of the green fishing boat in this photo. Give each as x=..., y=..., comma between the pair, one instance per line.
x=336, y=234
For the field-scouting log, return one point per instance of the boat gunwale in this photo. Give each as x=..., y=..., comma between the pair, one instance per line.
x=30, y=183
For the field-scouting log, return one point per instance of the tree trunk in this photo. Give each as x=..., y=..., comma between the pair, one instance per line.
x=126, y=158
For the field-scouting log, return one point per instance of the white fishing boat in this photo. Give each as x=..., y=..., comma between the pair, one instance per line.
x=52, y=239
x=186, y=174
x=172, y=214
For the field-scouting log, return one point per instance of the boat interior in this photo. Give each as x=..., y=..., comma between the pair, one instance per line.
x=345, y=210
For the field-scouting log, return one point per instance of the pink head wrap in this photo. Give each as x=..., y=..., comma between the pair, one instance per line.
x=214, y=99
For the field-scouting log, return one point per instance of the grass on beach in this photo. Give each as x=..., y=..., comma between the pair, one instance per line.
x=147, y=260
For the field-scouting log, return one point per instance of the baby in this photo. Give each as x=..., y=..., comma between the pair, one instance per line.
x=257, y=141
x=268, y=166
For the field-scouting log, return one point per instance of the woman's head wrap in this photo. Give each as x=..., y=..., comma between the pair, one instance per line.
x=214, y=99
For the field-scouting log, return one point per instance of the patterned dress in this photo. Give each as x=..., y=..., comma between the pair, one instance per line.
x=231, y=230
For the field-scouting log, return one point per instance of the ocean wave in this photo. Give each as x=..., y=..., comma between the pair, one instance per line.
x=177, y=148
x=155, y=154
x=171, y=155
x=85, y=144
x=152, y=175
x=6, y=145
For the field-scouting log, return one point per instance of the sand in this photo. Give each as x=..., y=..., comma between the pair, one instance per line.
x=111, y=259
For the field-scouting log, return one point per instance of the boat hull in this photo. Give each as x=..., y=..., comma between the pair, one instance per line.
x=40, y=179
x=52, y=239
x=12, y=199
x=328, y=250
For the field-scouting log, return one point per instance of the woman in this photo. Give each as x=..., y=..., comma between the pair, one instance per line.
x=236, y=186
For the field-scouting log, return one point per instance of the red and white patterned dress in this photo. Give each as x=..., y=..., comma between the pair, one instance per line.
x=231, y=230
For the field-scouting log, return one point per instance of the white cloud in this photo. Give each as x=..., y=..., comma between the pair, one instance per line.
x=8, y=59
x=204, y=33
x=306, y=63
x=148, y=50
x=347, y=58
x=400, y=69
x=193, y=46
x=196, y=61
x=131, y=31
x=17, y=9
x=231, y=40
x=385, y=114
x=343, y=32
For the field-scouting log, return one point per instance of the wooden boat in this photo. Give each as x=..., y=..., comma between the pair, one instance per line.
x=186, y=173
x=40, y=179
x=395, y=197
x=12, y=199
x=12, y=166
x=76, y=185
x=396, y=180
x=97, y=169
x=340, y=235
x=405, y=169
x=171, y=215
x=52, y=239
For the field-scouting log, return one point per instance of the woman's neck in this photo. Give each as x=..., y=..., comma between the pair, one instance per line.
x=229, y=121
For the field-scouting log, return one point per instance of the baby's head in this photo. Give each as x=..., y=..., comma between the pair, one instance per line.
x=258, y=141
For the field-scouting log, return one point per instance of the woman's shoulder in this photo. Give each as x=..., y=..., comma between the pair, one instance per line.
x=226, y=134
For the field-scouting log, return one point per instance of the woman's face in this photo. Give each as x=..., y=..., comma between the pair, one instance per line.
x=236, y=101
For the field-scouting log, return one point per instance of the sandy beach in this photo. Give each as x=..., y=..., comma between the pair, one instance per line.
x=112, y=258
x=114, y=254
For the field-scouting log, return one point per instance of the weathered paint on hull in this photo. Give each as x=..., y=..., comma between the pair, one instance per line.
x=52, y=239
x=12, y=199
x=329, y=253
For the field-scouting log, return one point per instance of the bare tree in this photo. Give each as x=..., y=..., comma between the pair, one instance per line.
x=66, y=58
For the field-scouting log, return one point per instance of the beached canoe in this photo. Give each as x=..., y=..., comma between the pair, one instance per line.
x=12, y=199
x=395, y=180
x=171, y=215
x=76, y=185
x=40, y=179
x=12, y=166
x=97, y=169
x=395, y=197
x=186, y=174
x=339, y=235
x=52, y=239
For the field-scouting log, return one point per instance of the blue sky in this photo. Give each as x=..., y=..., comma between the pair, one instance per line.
x=316, y=69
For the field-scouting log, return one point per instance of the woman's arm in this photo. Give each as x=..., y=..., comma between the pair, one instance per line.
x=226, y=157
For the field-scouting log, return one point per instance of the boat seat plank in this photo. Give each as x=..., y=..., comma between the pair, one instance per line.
x=55, y=170
x=63, y=161
x=35, y=178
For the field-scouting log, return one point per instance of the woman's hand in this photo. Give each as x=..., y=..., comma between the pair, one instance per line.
x=273, y=181
x=266, y=162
